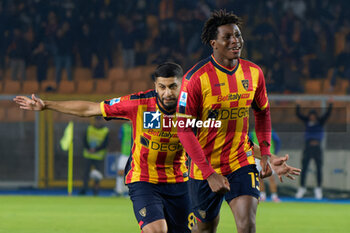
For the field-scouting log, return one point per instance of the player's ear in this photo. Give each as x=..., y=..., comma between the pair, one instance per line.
x=213, y=44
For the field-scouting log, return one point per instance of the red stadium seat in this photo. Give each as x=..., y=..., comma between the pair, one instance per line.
x=66, y=87
x=121, y=87
x=116, y=73
x=103, y=86
x=85, y=86
x=140, y=86
x=11, y=87
x=135, y=74
x=31, y=73
x=30, y=86
x=313, y=86
x=48, y=85
x=82, y=74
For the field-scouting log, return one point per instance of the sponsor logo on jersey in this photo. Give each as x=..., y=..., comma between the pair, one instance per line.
x=114, y=101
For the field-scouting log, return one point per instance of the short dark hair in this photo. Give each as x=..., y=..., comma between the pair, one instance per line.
x=217, y=19
x=167, y=70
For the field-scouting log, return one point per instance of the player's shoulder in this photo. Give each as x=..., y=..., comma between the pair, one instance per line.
x=143, y=95
x=245, y=62
x=197, y=69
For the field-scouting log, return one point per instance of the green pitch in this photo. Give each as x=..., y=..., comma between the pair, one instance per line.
x=39, y=214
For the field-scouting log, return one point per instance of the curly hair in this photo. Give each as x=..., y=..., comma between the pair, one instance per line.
x=218, y=18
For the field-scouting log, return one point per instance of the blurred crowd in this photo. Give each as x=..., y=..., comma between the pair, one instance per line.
x=292, y=40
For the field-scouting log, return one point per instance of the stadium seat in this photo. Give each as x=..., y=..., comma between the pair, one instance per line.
x=121, y=87
x=82, y=74
x=7, y=74
x=341, y=86
x=140, y=86
x=103, y=86
x=313, y=86
x=11, y=87
x=51, y=73
x=48, y=86
x=31, y=73
x=66, y=87
x=116, y=73
x=135, y=74
x=85, y=86
x=30, y=86
x=147, y=71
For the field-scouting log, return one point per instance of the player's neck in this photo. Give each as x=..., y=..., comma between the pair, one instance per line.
x=228, y=63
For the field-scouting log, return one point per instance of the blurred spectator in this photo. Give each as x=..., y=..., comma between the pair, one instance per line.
x=310, y=33
x=18, y=52
x=64, y=52
x=128, y=41
x=95, y=149
x=101, y=30
x=341, y=66
x=85, y=45
x=40, y=59
x=314, y=133
x=292, y=77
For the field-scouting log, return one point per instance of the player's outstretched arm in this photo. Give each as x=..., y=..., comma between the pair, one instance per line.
x=76, y=107
x=279, y=165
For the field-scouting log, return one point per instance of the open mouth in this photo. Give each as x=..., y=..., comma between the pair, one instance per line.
x=235, y=49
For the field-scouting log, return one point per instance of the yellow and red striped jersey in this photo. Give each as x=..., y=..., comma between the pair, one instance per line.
x=157, y=154
x=211, y=91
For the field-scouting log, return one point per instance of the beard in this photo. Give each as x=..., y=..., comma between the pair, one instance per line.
x=167, y=107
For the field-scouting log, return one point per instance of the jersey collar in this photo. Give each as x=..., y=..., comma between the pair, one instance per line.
x=223, y=68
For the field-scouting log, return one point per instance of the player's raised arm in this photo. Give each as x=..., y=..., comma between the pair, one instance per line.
x=75, y=107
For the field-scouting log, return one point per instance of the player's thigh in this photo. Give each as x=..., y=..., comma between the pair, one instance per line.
x=158, y=226
x=244, y=210
x=243, y=196
x=147, y=203
x=205, y=203
x=177, y=208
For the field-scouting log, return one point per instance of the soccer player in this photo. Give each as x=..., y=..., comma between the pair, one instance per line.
x=223, y=87
x=158, y=173
x=274, y=149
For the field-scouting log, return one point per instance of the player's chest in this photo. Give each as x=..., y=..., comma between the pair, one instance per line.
x=228, y=90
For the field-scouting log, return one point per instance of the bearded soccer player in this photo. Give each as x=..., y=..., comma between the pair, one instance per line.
x=223, y=87
x=158, y=173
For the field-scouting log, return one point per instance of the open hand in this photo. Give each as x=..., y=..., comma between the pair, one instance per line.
x=281, y=168
x=34, y=104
